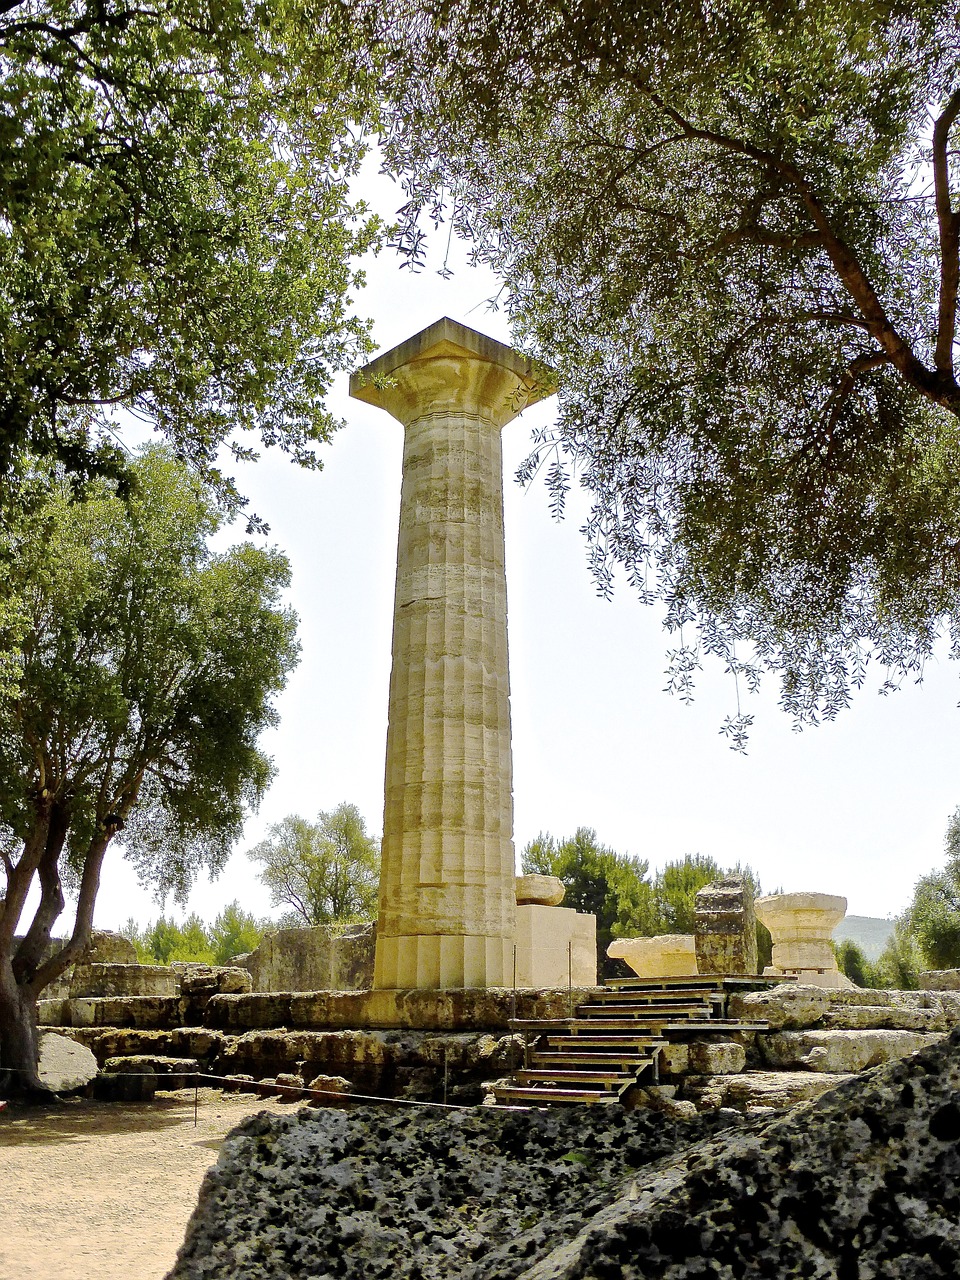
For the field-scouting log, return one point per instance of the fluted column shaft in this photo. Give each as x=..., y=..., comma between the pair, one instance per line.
x=447, y=890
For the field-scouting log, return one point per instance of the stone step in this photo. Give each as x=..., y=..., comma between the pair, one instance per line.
x=545, y=1096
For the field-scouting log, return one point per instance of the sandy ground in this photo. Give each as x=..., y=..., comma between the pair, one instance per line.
x=103, y=1191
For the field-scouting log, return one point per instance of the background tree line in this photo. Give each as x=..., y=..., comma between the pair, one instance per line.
x=925, y=936
x=619, y=890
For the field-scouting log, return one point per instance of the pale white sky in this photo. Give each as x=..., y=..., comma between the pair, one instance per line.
x=857, y=807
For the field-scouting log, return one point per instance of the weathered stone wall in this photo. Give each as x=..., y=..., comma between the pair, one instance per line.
x=322, y=958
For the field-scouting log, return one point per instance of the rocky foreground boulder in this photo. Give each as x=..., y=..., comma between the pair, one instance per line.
x=864, y=1182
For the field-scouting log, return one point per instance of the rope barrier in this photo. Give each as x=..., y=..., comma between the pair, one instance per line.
x=256, y=1086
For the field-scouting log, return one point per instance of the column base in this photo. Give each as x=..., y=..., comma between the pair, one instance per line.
x=440, y=961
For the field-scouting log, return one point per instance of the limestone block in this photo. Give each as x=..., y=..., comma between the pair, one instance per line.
x=717, y=1058
x=109, y=979
x=107, y=947
x=330, y=1084
x=65, y=1065
x=940, y=980
x=52, y=1013
x=725, y=927
x=671, y=955
x=801, y=926
x=675, y=1059
x=759, y=1090
x=149, y=1012
x=788, y=1006
x=839, y=1051
x=544, y=891
x=447, y=884
x=552, y=943
x=856, y=1017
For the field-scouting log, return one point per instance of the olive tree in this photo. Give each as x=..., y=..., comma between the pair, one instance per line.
x=148, y=667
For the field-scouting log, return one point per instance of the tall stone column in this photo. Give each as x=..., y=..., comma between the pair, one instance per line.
x=447, y=891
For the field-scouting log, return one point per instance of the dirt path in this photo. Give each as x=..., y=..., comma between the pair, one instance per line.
x=103, y=1191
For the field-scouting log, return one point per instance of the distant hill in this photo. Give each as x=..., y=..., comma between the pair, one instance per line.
x=868, y=932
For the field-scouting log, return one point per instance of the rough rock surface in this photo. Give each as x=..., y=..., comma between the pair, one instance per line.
x=794, y=1007
x=415, y=1192
x=758, y=1090
x=863, y=1183
x=64, y=1064
x=838, y=1051
x=721, y=1058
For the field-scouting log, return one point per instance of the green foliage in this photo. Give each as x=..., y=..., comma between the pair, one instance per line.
x=852, y=962
x=676, y=889
x=176, y=233
x=612, y=886
x=901, y=960
x=326, y=872
x=149, y=665
x=133, y=933
x=235, y=932
x=733, y=232
x=928, y=934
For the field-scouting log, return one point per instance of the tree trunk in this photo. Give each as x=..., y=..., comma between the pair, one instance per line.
x=19, y=1047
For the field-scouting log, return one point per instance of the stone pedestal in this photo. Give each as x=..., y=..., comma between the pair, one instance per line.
x=555, y=946
x=801, y=925
x=447, y=885
x=668, y=955
x=725, y=927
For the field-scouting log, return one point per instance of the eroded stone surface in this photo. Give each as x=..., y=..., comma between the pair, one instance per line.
x=544, y=891
x=322, y=958
x=758, y=1091
x=940, y=980
x=101, y=978
x=717, y=1058
x=838, y=1051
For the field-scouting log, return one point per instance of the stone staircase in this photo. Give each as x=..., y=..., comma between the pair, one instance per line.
x=613, y=1041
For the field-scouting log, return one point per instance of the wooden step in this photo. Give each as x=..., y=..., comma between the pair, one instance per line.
x=640, y=1010
x=611, y=1061
x=605, y=1079
x=699, y=1026
x=600, y=1042
x=589, y=1024
x=544, y=1096
x=662, y=984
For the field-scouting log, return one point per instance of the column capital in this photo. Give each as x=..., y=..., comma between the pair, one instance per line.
x=448, y=366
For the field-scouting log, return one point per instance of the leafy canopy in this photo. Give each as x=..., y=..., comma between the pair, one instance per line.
x=326, y=872
x=733, y=228
x=175, y=225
